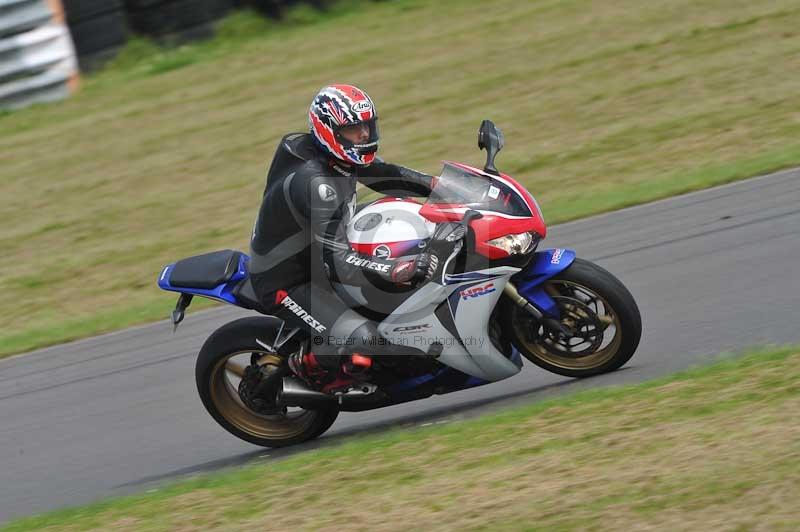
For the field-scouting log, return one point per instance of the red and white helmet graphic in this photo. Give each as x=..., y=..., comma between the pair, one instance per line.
x=336, y=107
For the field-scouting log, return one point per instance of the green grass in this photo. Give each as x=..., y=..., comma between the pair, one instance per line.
x=714, y=448
x=163, y=156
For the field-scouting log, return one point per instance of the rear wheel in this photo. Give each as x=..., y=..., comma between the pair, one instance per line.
x=227, y=360
x=598, y=311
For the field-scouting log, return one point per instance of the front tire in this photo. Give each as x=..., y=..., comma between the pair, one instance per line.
x=597, y=308
x=223, y=358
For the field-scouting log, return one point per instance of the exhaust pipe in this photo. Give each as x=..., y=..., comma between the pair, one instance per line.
x=295, y=393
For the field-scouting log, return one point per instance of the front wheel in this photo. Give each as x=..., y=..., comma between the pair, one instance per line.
x=223, y=365
x=598, y=311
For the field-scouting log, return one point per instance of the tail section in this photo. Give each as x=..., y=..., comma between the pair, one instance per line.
x=214, y=275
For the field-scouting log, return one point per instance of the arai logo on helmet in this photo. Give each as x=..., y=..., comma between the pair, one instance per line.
x=382, y=252
x=362, y=107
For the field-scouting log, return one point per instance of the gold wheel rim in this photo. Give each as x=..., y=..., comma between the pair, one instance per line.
x=608, y=318
x=225, y=396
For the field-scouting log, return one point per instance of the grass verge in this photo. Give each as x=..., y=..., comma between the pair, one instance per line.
x=714, y=448
x=163, y=156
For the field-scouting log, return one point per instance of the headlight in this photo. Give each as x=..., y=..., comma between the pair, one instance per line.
x=518, y=244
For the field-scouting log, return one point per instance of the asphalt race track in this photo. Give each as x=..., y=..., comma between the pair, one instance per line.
x=712, y=271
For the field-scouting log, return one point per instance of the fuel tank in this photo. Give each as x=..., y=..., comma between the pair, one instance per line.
x=390, y=228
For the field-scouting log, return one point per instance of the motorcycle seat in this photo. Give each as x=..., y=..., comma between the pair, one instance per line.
x=205, y=271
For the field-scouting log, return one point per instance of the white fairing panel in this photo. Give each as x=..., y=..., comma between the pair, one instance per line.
x=469, y=298
x=470, y=303
x=399, y=220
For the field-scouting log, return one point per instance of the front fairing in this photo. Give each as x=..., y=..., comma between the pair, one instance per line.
x=471, y=188
x=506, y=207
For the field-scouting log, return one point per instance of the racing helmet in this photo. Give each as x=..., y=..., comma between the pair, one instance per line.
x=335, y=108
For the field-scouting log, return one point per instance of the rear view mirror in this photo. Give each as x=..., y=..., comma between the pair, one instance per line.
x=491, y=139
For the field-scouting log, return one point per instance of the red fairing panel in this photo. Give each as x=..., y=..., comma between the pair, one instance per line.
x=493, y=224
x=538, y=219
x=487, y=228
x=491, y=227
x=442, y=212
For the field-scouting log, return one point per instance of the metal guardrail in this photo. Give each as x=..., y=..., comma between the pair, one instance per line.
x=17, y=16
x=37, y=58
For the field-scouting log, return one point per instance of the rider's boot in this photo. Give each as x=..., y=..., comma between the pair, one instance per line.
x=313, y=369
x=354, y=369
x=336, y=371
x=357, y=366
x=331, y=372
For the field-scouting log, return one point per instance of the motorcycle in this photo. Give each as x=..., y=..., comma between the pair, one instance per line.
x=494, y=299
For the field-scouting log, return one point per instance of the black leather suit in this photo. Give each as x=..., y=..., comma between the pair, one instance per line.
x=299, y=243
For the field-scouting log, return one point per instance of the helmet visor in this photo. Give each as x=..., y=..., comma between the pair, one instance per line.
x=363, y=136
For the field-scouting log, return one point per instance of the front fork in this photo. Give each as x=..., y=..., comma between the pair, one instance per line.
x=526, y=289
x=548, y=322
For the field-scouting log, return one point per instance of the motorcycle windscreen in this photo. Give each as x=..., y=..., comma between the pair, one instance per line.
x=460, y=188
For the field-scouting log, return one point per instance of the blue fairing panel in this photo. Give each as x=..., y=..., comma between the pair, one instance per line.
x=544, y=265
x=223, y=292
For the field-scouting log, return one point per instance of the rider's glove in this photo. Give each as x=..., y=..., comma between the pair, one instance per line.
x=415, y=270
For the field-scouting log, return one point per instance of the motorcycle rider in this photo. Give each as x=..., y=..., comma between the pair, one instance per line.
x=299, y=243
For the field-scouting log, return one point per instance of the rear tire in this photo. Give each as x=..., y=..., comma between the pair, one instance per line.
x=614, y=311
x=220, y=396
